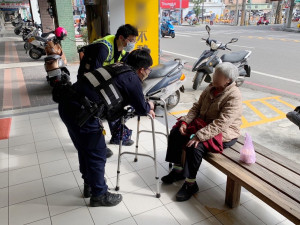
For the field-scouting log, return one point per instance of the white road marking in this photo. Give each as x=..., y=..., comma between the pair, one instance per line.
x=277, y=77
x=182, y=35
x=253, y=71
x=242, y=46
x=174, y=53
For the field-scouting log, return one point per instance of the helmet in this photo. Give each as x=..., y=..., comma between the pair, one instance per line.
x=61, y=33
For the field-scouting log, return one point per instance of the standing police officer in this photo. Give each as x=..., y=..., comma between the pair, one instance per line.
x=106, y=51
x=88, y=138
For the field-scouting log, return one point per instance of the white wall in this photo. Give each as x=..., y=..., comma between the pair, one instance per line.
x=35, y=11
x=116, y=14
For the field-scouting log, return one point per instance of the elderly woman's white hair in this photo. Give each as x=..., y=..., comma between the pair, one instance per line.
x=228, y=70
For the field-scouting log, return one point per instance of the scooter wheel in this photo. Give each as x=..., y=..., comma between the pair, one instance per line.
x=257, y=23
x=266, y=23
x=173, y=35
x=17, y=32
x=163, y=35
x=177, y=98
x=35, y=54
x=198, y=80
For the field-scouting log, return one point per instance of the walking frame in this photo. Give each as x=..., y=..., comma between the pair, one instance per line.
x=130, y=114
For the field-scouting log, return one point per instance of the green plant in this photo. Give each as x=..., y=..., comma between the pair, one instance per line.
x=84, y=35
x=197, y=7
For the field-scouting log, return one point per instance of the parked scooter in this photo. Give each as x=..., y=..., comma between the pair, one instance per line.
x=165, y=82
x=16, y=21
x=263, y=20
x=209, y=59
x=19, y=27
x=36, y=32
x=167, y=29
x=56, y=62
x=37, y=45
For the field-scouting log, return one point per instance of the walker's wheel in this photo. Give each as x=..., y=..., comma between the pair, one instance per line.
x=117, y=188
x=157, y=195
x=135, y=160
x=170, y=165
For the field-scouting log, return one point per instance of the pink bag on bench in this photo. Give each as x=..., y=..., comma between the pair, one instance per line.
x=247, y=154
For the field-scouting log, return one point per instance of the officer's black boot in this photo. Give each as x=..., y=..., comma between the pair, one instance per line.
x=86, y=191
x=109, y=153
x=107, y=199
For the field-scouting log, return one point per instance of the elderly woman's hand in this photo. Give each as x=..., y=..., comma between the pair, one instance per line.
x=182, y=129
x=193, y=142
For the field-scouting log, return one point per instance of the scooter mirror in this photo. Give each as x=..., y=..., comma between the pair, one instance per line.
x=233, y=40
x=207, y=29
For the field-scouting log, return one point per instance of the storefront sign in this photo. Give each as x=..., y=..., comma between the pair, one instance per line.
x=174, y=4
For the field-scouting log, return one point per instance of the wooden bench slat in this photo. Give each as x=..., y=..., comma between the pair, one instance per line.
x=270, y=165
x=274, y=156
x=267, y=176
x=277, y=200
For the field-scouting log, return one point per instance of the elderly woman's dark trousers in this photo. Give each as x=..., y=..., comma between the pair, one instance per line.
x=194, y=155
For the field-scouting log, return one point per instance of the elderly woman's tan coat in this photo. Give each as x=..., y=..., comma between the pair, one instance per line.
x=223, y=113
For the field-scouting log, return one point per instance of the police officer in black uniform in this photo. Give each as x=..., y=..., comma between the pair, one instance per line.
x=89, y=138
x=105, y=51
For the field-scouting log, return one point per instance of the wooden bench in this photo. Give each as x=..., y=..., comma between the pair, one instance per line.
x=273, y=178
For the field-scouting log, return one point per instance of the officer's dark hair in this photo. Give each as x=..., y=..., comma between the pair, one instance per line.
x=139, y=58
x=126, y=30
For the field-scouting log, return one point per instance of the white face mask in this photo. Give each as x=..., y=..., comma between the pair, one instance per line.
x=129, y=47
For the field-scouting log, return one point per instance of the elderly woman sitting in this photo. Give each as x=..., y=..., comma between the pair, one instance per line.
x=213, y=123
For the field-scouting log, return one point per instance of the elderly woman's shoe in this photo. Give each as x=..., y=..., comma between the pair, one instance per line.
x=173, y=176
x=186, y=191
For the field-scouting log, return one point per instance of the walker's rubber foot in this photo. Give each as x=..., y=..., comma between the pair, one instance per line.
x=157, y=195
x=135, y=160
x=117, y=188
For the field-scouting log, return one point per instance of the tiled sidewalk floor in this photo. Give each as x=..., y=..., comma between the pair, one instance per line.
x=40, y=184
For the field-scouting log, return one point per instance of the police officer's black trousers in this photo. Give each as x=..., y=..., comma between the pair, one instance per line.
x=194, y=156
x=90, y=144
x=91, y=149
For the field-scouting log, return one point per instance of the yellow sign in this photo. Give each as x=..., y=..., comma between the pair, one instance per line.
x=144, y=14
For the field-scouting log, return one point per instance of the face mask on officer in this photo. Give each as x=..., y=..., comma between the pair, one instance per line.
x=129, y=45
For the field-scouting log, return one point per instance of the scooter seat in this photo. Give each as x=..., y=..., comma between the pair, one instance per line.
x=44, y=35
x=234, y=57
x=162, y=70
x=40, y=39
x=52, y=57
x=149, y=83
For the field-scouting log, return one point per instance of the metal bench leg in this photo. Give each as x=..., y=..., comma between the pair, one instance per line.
x=137, y=138
x=155, y=159
x=119, y=156
x=233, y=193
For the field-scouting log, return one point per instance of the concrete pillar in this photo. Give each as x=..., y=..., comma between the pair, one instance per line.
x=35, y=11
x=64, y=11
x=97, y=19
x=47, y=21
x=2, y=21
x=290, y=14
